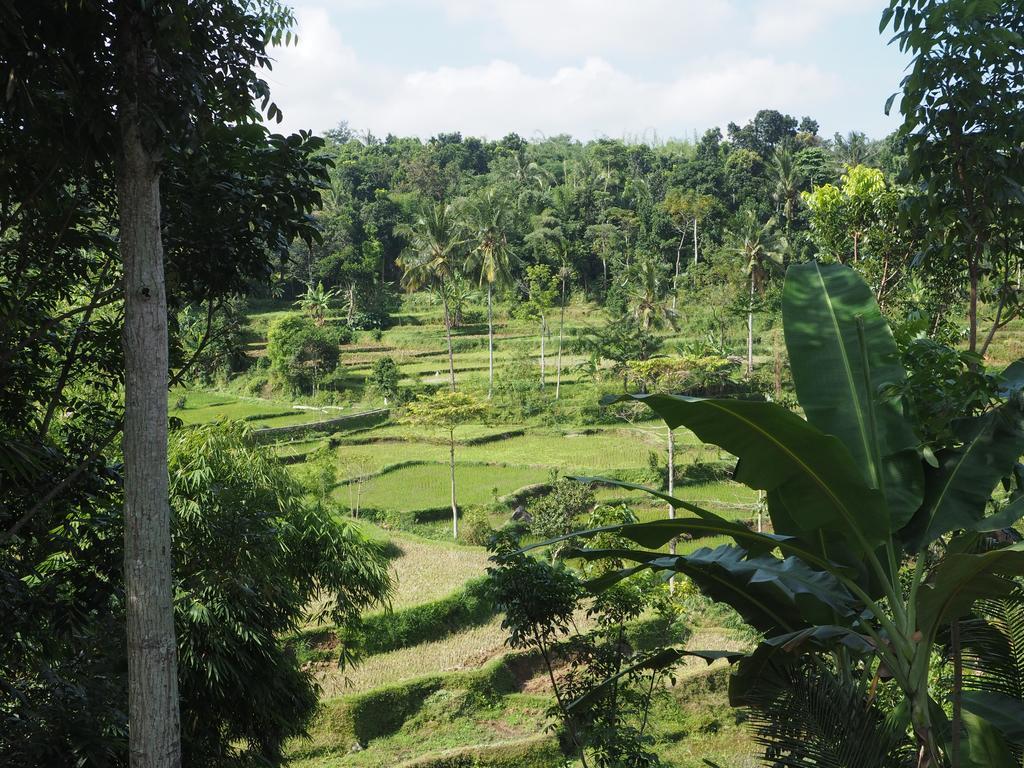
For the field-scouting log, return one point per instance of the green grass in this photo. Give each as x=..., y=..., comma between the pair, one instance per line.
x=426, y=486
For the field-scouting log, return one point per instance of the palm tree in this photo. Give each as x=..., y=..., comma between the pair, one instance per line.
x=487, y=219
x=432, y=260
x=758, y=249
x=316, y=302
x=646, y=284
x=786, y=184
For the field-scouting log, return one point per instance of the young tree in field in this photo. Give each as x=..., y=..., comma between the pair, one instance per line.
x=487, y=218
x=755, y=245
x=685, y=209
x=447, y=410
x=543, y=288
x=961, y=107
x=433, y=260
x=384, y=378
x=564, y=274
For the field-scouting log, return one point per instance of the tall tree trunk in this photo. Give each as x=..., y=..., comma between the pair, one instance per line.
x=448, y=335
x=561, y=326
x=972, y=310
x=154, y=739
x=675, y=277
x=750, y=328
x=451, y=466
x=490, y=342
x=543, y=333
x=695, y=241
x=671, y=491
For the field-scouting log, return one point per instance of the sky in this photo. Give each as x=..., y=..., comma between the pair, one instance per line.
x=632, y=69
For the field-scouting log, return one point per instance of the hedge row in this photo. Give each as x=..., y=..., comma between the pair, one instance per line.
x=361, y=717
x=352, y=421
x=469, y=606
x=536, y=752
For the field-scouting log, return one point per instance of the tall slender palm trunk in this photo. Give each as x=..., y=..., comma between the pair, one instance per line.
x=448, y=335
x=561, y=327
x=490, y=342
x=154, y=739
x=543, y=334
x=671, y=491
x=750, y=329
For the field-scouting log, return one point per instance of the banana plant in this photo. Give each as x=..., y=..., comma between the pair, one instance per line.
x=873, y=550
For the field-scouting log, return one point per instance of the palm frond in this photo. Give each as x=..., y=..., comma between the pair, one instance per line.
x=808, y=717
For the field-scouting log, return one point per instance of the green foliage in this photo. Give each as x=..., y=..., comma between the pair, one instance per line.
x=467, y=607
x=446, y=409
x=539, y=752
x=384, y=378
x=846, y=521
x=302, y=353
x=244, y=690
x=558, y=512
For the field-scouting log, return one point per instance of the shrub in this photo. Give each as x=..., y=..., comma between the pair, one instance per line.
x=384, y=378
x=556, y=513
x=476, y=527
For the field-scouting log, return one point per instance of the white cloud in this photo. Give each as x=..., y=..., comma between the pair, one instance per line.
x=322, y=81
x=789, y=22
x=600, y=27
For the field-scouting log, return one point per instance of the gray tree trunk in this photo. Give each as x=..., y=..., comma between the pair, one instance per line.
x=154, y=739
x=448, y=335
x=490, y=343
x=561, y=327
x=675, y=277
x=695, y=241
x=451, y=465
x=543, y=333
x=672, y=483
x=750, y=329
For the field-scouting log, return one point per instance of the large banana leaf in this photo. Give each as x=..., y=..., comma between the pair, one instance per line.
x=779, y=452
x=842, y=353
x=957, y=492
x=1005, y=713
x=773, y=595
x=961, y=579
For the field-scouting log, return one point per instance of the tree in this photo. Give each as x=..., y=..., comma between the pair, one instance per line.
x=754, y=244
x=645, y=284
x=559, y=511
x=787, y=182
x=433, y=259
x=542, y=287
x=487, y=219
x=447, y=410
x=300, y=352
x=685, y=209
x=960, y=104
x=384, y=378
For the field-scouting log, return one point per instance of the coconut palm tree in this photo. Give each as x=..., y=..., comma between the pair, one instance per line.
x=487, y=219
x=759, y=251
x=433, y=258
x=646, y=283
x=786, y=183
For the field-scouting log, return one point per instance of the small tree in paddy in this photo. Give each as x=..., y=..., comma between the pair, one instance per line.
x=447, y=410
